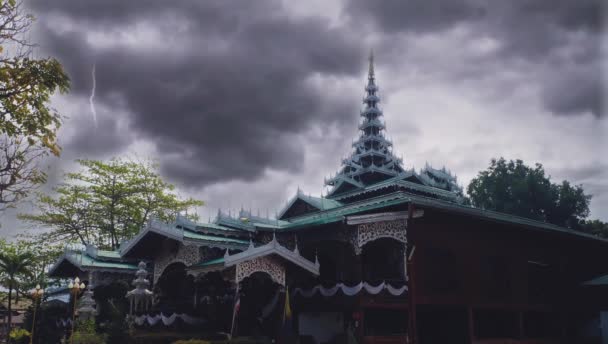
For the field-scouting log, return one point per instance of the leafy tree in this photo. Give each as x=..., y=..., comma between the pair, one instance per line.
x=15, y=267
x=28, y=125
x=515, y=188
x=107, y=202
x=595, y=227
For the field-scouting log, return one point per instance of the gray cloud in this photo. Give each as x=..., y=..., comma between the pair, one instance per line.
x=226, y=105
x=559, y=39
x=251, y=95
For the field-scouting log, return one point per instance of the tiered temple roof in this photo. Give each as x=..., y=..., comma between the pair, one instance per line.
x=372, y=168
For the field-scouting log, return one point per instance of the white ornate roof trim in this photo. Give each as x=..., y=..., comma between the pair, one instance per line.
x=154, y=226
x=272, y=248
x=388, y=216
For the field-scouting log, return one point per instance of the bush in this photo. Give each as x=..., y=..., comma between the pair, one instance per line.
x=233, y=341
x=19, y=336
x=88, y=338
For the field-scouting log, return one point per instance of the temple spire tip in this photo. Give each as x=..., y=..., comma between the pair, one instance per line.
x=371, y=63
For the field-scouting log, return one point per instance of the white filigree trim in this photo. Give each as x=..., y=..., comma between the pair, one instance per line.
x=187, y=255
x=266, y=264
x=368, y=232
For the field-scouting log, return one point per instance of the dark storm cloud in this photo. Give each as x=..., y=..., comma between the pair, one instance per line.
x=557, y=37
x=96, y=139
x=229, y=103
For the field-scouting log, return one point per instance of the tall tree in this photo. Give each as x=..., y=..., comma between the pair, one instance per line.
x=515, y=188
x=107, y=202
x=15, y=267
x=28, y=125
x=596, y=227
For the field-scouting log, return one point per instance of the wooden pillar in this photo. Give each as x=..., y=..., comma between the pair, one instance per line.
x=471, y=325
x=412, y=333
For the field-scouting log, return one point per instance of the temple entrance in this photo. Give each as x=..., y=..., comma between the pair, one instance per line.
x=383, y=261
x=175, y=290
x=261, y=306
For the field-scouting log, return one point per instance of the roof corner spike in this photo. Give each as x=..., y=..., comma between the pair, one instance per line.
x=251, y=243
x=371, y=64
x=227, y=254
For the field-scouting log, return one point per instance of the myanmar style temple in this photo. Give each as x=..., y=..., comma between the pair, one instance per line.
x=389, y=255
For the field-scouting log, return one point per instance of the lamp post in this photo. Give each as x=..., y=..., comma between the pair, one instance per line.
x=36, y=295
x=75, y=287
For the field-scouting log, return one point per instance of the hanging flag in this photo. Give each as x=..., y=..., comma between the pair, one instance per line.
x=287, y=334
x=287, y=311
x=235, y=310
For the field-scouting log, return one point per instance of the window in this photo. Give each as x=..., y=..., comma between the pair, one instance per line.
x=492, y=323
x=495, y=277
x=385, y=322
x=540, y=325
x=383, y=260
x=541, y=282
x=440, y=270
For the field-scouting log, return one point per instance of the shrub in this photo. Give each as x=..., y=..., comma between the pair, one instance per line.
x=19, y=336
x=88, y=338
x=233, y=341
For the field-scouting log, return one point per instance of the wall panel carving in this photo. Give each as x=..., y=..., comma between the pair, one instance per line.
x=368, y=232
x=187, y=255
x=270, y=266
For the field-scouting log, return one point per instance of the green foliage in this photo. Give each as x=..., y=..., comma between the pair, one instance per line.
x=28, y=124
x=19, y=336
x=87, y=338
x=16, y=261
x=26, y=86
x=595, y=227
x=107, y=202
x=85, y=333
x=113, y=307
x=232, y=341
x=86, y=326
x=46, y=330
x=514, y=188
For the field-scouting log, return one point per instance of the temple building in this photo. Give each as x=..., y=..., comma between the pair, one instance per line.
x=389, y=255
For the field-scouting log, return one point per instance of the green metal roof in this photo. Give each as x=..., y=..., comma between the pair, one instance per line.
x=497, y=216
x=337, y=214
x=319, y=203
x=204, y=237
x=598, y=281
x=108, y=254
x=401, y=197
x=398, y=181
x=86, y=262
x=209, y=263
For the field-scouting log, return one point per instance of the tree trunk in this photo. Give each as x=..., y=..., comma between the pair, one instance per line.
x=10, y=311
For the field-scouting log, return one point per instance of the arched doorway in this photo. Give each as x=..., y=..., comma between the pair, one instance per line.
x=175, y=290
x=261, y=300
x=214, y=300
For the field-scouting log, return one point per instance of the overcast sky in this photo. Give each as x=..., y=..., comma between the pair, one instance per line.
x=241, y=102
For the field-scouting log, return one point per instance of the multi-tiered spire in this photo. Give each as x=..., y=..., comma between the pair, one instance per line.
x=372, y=160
